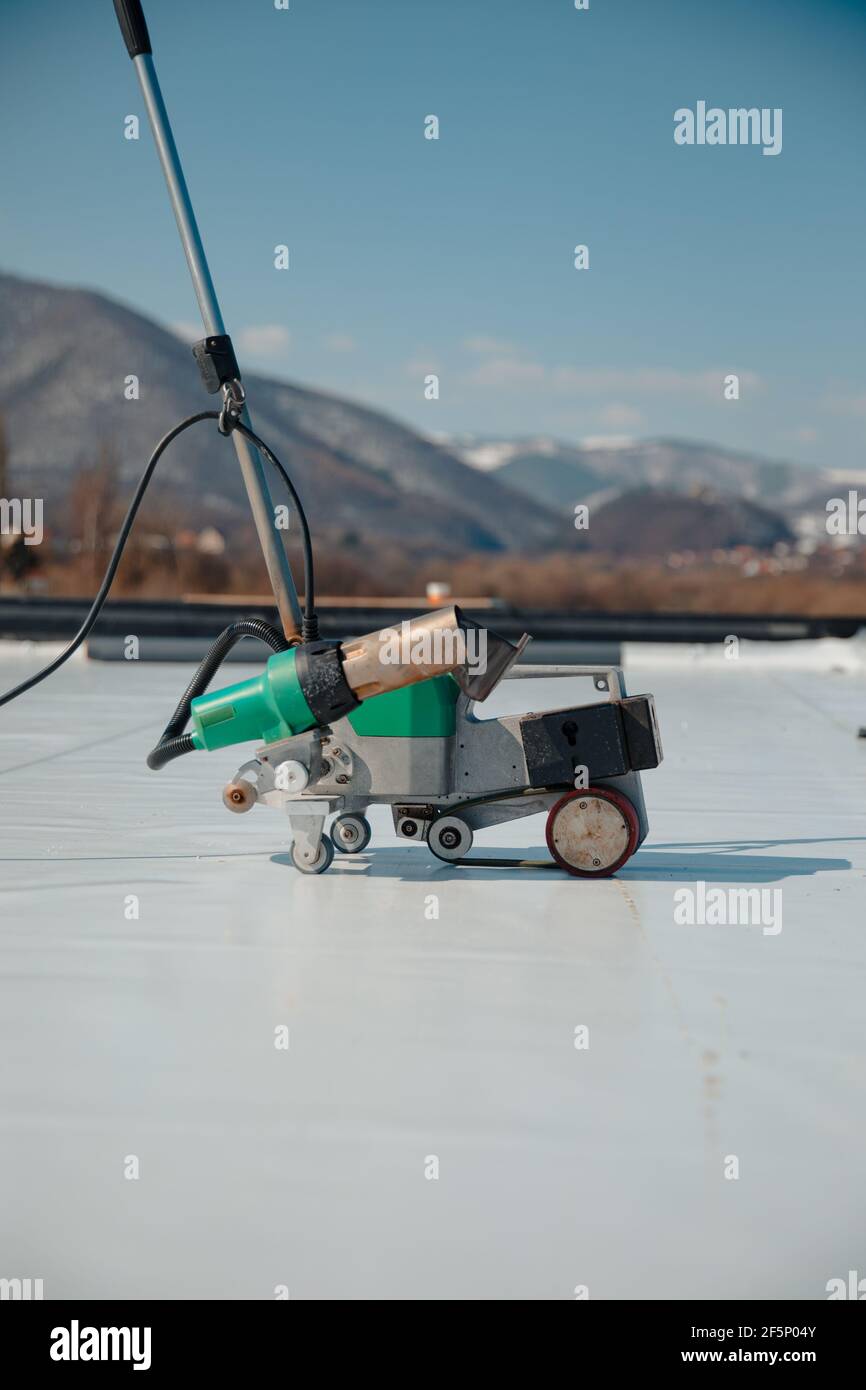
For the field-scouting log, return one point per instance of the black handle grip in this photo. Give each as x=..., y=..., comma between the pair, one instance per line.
x=130, y=17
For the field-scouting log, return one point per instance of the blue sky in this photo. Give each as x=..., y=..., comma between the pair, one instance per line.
x=306, y=127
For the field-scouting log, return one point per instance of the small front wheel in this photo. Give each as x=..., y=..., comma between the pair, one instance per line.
x=322, y=861
x=592, y=833
x=351, y=834
x=449, y=838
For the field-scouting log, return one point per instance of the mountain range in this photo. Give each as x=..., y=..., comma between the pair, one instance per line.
x=562, y=474
x=66, y=355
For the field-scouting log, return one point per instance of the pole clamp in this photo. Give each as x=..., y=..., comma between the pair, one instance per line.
x=220, y=372
x=216, y=362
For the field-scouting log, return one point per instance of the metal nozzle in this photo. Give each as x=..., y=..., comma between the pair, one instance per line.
x=432, y=645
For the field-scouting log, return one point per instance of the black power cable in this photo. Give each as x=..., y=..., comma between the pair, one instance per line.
x=174, y=741
x=310, y=621
x=96, y=607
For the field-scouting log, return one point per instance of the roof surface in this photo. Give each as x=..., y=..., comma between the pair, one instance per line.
x=414, y=1036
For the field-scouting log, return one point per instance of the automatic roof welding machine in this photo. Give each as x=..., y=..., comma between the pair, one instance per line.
x=387, y=718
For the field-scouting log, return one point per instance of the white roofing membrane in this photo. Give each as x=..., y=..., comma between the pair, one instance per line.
x=607, y=1166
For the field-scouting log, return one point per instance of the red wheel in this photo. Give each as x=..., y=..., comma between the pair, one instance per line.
x=592, y=833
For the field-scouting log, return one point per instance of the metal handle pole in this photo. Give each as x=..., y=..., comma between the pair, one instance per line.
x=251, y=464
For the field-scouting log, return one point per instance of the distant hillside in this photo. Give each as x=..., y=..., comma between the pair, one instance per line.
x=64, y=354
x=562, y=474
x=648, y=522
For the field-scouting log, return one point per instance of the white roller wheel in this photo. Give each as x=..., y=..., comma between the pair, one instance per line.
x=351, y=834
x=322, y=861
x=449, y=838
x=291, y=776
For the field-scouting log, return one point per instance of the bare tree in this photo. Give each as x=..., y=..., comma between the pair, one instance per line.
x=4, y=482
x=4, y=459
x=93, y=508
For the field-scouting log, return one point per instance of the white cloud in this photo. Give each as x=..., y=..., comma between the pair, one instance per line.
x=187, y=332
x=845, y=404
x=607, y=441
x=618, y=415
x=489, y=347
x=422, y=366
x=339, y=342
x=804, y=434
x=648, y=381
x=264, y=340
x=511, y=372
x=507, y=372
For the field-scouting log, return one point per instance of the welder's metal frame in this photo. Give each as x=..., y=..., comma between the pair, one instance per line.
x=423, y=772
